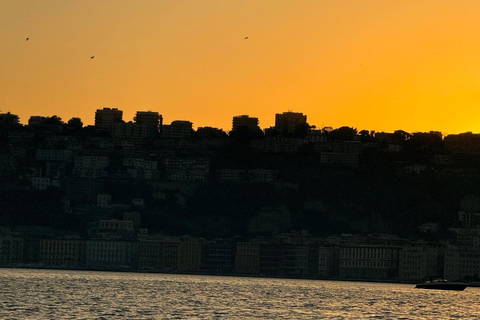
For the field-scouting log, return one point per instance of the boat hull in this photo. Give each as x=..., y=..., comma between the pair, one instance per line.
x=442, y=286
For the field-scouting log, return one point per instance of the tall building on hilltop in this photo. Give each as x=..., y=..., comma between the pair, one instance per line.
x=106, y=117
x=149, y=118
x=209, y=132
x=178, y=129
x=152, y=121
x=466, y=142
x=9, y=119
x=288, y=122
x=251, y=123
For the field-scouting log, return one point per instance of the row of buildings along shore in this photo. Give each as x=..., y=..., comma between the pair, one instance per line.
x=376, y=257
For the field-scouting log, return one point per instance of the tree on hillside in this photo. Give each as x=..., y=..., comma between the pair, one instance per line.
x=75, y=123
x=343, y=134
x=53, y=120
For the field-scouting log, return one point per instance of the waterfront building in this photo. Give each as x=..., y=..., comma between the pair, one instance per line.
x=157, y=252
x=170, y=254
x=328, y=261
x=369, y=262
x=11, y=250
x=62, y=252
x=150, y=253
x=270, y=258
x=218, y=256
x=294, y=259
x=247, y=259
x=461, y=264
x=189, y=257
x=419, y=261
x=103, y=254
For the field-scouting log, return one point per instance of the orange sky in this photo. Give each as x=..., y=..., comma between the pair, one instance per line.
x=377, y=65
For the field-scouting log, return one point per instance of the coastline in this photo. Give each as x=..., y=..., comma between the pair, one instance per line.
x=124, y=270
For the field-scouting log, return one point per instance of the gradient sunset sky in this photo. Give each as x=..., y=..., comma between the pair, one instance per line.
x=378, y=65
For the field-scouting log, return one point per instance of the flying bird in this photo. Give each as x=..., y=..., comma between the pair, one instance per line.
x=245, y=38
x=92, y=57
x=27, y=39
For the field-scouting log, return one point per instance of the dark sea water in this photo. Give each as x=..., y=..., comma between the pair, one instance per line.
x=53, y=294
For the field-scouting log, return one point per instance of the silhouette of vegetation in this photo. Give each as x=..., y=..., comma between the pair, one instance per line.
x=53, y=120
x=343, y=134
x=75, y=123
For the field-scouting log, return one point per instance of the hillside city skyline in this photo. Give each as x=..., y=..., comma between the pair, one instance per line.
x=226, y=129
x=289, y=201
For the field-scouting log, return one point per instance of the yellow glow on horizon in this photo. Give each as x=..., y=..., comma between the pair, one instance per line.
x=373, y=64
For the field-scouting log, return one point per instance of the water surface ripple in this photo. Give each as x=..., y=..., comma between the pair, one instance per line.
x=54, y=294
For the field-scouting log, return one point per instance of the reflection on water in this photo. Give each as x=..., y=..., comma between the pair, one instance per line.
x=52, y=294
